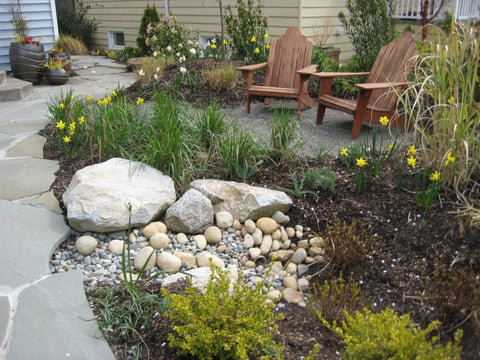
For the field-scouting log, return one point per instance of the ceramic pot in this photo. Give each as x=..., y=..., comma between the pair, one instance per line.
x=56, y=76
x=65, y=57
x=26, y=61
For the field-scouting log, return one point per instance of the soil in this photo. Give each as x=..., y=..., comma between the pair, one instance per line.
x=411, y=248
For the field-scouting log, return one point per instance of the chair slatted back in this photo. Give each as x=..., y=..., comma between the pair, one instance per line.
x=394, y=63
x=288, y=54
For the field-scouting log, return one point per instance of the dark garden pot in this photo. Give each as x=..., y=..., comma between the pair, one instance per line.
x=56, y=76
x=26, y=61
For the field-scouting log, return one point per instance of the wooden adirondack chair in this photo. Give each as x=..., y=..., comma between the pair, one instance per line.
x=288, y=71
x=376, y=97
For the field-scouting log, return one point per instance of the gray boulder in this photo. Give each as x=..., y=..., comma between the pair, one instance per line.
x=98, y=196
x=191, y=214
x=243, y=201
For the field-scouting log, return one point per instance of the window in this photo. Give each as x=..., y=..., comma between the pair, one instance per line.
x=116, y=40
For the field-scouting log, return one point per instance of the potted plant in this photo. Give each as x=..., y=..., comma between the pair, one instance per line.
x=320, y=40
x=56, y=72
x=26, y=54
x=58, y=53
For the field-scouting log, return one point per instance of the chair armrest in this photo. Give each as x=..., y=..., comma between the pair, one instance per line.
x=309, y=70
x=375, y=86
x=252, y=67
x=338, y=74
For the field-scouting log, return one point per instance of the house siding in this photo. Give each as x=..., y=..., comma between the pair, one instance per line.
x=42, y=23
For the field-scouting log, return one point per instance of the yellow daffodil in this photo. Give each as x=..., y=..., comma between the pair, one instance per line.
x=411, y=161
x=266, y=36
x=253, y=39
x=225, y=42
x=139, y=101
x=60, y=125
x=450, y=158
x=89, y=98
x=384, y=120
x=450, y=100
x=390, y=146
x=430, y=90
x=81, y=119
x=114, y=93
x=66, y=139
x=435, y=176
x=412, y=150
x=268, y=47
x=213, y=46
x=61, y=106
x=72, y=126
x=257, y=51
x=72, y=98
x=344, y=152
x=361, y=162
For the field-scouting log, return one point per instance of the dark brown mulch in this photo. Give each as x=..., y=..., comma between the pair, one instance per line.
x=411, y=244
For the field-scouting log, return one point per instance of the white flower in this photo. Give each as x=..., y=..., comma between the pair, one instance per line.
x=214, y=41
x=177, y=54
x=94, y=72
x=189, y=42
x=180, y=45
x=169, y=48
x=141, y=72
x=192, y=51
x=183, y=70
x=155, y=76
x=157, y=69
x=154, y=54
x=182, y=59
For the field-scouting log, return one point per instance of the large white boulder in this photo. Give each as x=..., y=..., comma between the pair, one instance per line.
x=241, y=200
x=98, y=196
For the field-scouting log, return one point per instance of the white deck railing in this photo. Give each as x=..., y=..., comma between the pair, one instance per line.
x=461, y=9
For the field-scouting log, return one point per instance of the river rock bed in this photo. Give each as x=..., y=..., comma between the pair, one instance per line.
x=248, y=248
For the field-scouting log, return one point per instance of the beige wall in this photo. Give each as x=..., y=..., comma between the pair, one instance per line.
x=204, y=16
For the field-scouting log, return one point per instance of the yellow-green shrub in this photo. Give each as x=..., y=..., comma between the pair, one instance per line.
x=71, y=45
x=222, y=76
x=387, y=336
x=230, y=321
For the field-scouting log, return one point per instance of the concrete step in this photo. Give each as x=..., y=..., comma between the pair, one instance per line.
x=12, y=89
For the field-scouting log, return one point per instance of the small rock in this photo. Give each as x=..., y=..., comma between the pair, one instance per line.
x=221, y=248
x=282, y=255
x=254, y=252
x=142, y=256
x=159, y=241
x=267, y=225
x=266, y=244
x=274, y=295
x=314, y=251
x=280, y=217
x=181, y=238
x=299, y=255
x=277, y=235
x=257, y=236
x=86, y=245
x=153, y=228
x=203, y=259
x=275, y=245
x=249, y=264
x=298, y=234
x=286, y=244
x=213, y=235
x=186, y=258
x=290, y=282
x=168, y=262
x=303, y=244
x=290, y=232
x=223, y=219
x=291, y=268
x=115, y=246
x=317, y=241
x=250, y=226
x=292, y=296
x=248, y=240
x=301, y=269
x=302, y=284
x=284, y=235
x=236, y=225
x=200, y=241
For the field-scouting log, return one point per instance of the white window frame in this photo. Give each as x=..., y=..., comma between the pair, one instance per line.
x=111, y=40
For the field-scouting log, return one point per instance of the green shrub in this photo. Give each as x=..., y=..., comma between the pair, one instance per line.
x=320, y=179
x=77, y=24
x=127, y=53
x=387, y=336
x=229, y=321
x=150, y=16
x=247, y=30
x=331, y=299
x=369, y=27
x=284, y=137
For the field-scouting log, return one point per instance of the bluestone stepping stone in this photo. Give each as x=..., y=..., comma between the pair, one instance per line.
x=31, y=145
x=53, y=320
x=26, y=177
x=5, y=311
x=28, y=236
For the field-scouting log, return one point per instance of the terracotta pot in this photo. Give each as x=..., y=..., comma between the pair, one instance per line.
x=26, y=61
x=56, y=76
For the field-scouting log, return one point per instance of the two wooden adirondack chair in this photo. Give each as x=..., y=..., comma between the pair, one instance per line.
x=287, y=73
x=376, y=96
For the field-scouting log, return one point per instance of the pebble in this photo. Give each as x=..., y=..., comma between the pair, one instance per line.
x=168, y=262
x=250, y=226
x=159, y=241
x=86, y=244
x=115, y=246
x=267, y=225
x=213, y=235
x=142, y=256
x=266, y=244
x=223, y=219
x=153, y=228
x=200, y=241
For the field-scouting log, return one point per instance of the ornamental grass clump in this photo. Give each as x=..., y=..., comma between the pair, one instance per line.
x=284, y=136
x=442, y=106
x=228, y=321
x=222, y=76
x=388, y=336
